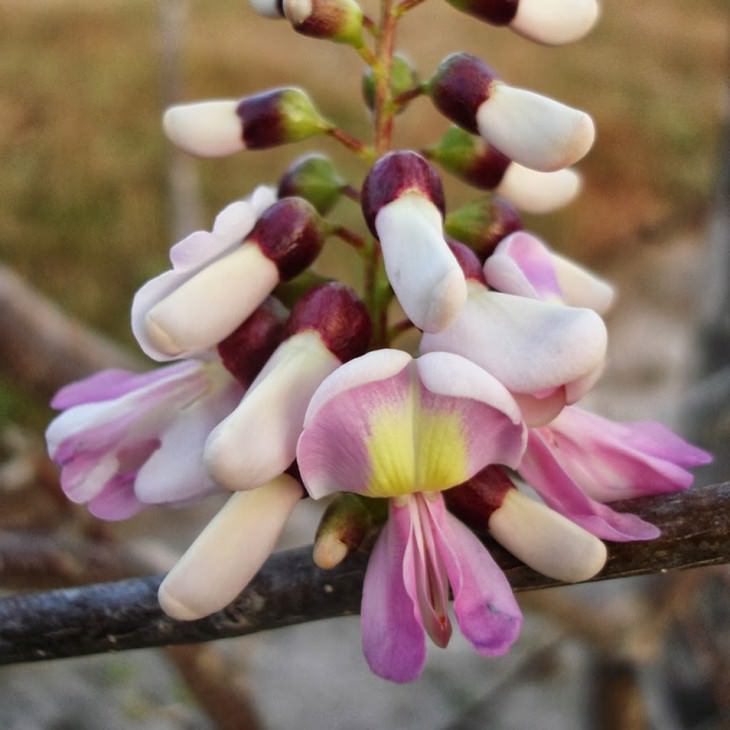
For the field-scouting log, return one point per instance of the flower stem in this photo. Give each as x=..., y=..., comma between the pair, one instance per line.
x=384, y=112
x=352, y=143
x=345, y=234
x=405, y=5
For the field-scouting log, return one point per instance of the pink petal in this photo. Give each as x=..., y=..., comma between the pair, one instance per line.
x=614, y=461
x=373, y=366
x=332, y=453
x=393, y=640
x=485, y=607
x=468, y=422
x=117, y=500
x=424, y=573
x=522, y=265
x=544, y=473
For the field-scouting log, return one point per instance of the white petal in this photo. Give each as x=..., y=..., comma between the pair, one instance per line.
x=176, y=472
x=534, y=130
x=207, y=129
x=581, y=288
x=444, y=373
x=375, y=365
x=267, y=8
x=258, y=440
x=529, y=345
x=555, y=21
x=425, y=275
x=229, y=552
x=297, y=11
x=211, y=304
x=538, y=192
x=545, y=540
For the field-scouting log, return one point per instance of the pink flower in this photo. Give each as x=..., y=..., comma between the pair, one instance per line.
x=580, y=461
x=126, y=440
x=385, y=425
x=421, y=551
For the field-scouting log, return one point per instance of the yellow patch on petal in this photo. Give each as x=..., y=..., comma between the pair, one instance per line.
x=441, y=450
x=414, y=449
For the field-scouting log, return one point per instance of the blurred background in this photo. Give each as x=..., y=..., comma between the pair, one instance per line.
x=91, y=197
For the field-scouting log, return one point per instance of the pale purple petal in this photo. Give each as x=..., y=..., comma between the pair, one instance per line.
x=542, y=471
x=424, y=573
x=114, y=383
x=393, y=640
x=612, y=461
x=523, y=265
x=117, y=500
x=98, y=426
x=485, y=607
x=176, y=471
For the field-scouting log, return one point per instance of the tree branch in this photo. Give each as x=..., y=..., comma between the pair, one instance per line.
x=290, y=589
x=44, y=348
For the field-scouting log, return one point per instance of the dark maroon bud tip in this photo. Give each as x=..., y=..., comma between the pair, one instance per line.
x=245, y=351
x=291, y=234
x=341, y=319
x=487, y=169
x=468, y=260
x=459, y=87
x=506, y=220
x=496, y=12
x=474, y=501
x=393, y=175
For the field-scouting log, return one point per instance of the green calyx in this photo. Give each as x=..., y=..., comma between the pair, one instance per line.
x=403, y=79
x=300, y=119
x=456, y=151
x=482, y=223
x=315, y=179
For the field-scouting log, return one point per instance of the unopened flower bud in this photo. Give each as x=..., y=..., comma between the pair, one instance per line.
x=258, y=439
x=229, y=551
x=334, y=20
x=221, y=127
x=530, y=129
x=540, y=537
x=403, y=78
x=245, y=351
x=482, y=165
x=314, y=178
x=470, y=158
x=474, y=501
x=402, y=201
x=267, y=8
x=342, y=529
x=553, y=22
x=483, y=223
x=207, y=307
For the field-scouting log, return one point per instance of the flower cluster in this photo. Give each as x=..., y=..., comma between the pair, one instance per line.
x=286, y=384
